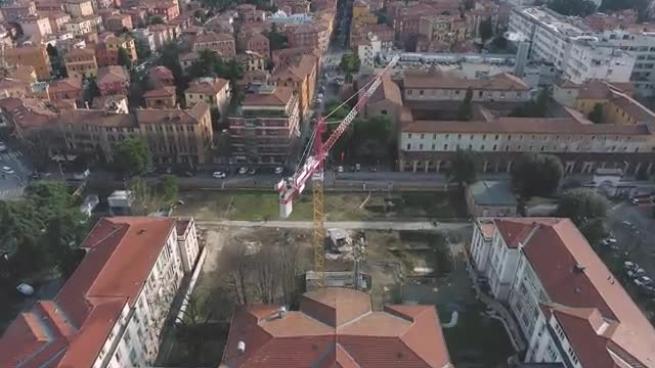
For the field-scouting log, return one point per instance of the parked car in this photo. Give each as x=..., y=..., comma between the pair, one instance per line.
x=252, y=171
x=3, y=147
x=636, y=273
x=82, y=175
x=643, y=281
x=219, y=175
x=340, y=168
x=243, y=170
x=7, y=170
x=629, y=265
x=279, y=170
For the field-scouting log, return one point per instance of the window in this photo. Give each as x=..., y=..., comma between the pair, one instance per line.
x=422, y=136
x=420, y=92
x=420, y=146
x=383, y=112
x=445, y=147
x=433, y=146
x=459, y=136
x=409, y=135
x=494, y=148
x=496, y=136
x=409, y=146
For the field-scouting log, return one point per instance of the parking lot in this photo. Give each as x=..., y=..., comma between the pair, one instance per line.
x=632, y=257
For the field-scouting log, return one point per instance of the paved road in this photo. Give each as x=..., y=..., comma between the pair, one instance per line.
x=349, y=225
x=12, y=185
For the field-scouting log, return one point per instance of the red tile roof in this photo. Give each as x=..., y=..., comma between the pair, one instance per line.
x=336, y=328
x=165, y=91
x=70, y=330
x=574, y=277
x=442, y=80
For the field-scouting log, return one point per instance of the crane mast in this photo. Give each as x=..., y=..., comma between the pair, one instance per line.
x=290, y=188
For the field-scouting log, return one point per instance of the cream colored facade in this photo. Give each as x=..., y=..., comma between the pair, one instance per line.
x=78, y=8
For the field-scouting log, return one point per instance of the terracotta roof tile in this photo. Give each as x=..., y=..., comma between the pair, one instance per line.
x=165, y=91
x=577, y=281
x=209, y=86
x=444, y=80
x=112, y=74
x=279, y=97
x=71, y=330
x=336, y=328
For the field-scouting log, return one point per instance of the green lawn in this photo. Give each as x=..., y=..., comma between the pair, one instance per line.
x=477, y=340
x=258, y=206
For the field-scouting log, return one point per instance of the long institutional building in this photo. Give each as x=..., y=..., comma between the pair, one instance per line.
x=569, y=307
x=111, y=311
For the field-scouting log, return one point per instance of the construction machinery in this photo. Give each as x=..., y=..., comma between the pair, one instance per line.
x=311, y=166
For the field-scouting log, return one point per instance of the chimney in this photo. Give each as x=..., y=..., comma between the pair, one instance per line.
x=241, y=347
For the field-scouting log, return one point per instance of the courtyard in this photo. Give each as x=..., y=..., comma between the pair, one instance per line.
x=425, y=267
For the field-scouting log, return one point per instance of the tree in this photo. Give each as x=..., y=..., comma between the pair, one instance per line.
x=276, y=39
x=124, y=58
x=640, y=6
x=463, y=168
x=156, y=19
x=91, y=90
x=536, y=174
x=168, y=188
x=56, y=61
x=580, y=8
x=587, y=209
x=486, y=29
x=534, y=108
x=465, y=110
x=142, y=48
x=596, y=115
x=132, y=156
x=349, y=64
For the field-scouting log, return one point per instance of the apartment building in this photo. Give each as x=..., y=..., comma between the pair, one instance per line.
x=445, y=86
x=642, y=45
x=81, y=27
x=251, y=61
x=12, y=12
x=569, y=307
x=222, y=43
x=168, y=10
x=311, y=36
x=10, y=87
x=113, y=80
x=301, y=77
x=258, y=43
x=163, y=97
x=81, y=63
x=111, y=311
x=108, y=46
x=35, y=26
x=216, y=92
x=78, y=8
x=36, y=56
x=65, y=89
x=581, y=145
x=57, y=19
x=575, y=51
x=266, y=127
x=118, y=22
x=336, y=327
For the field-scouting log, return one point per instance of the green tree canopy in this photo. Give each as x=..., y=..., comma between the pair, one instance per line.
x=587, y=209
x=596, y=115
x=349, y=64
x=276, y=39
x=168, y=188
x=156, y=19
x=580, y=8
x=465, y=110
x=486, y=29
x=132, y=156
x=142, y=49
x=124, y=58
x=41, y=230
x=640, y=6
x=463, y=168
x=91, y=90
x=535, y=108
x=536, y=174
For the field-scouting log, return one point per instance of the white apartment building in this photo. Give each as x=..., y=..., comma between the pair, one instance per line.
x=428, y=146
x=642, y=45
x=568, y=305
x=577, y=53
x=111, y=311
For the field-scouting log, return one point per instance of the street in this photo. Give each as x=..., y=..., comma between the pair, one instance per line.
x=346, y=225
x=12, y=185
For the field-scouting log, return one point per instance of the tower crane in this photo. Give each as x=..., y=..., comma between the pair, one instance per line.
x=290, y=188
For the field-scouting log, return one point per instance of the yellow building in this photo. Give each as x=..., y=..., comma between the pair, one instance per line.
x=213, y=91
x=301, y=77
x=81, y=63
